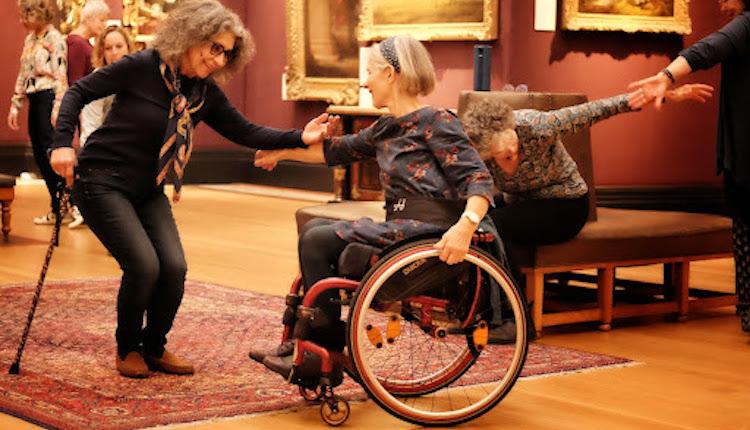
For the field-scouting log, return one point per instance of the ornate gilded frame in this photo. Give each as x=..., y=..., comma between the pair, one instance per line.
x=298, y=83
x=574, y=19
x=485, y=30
x=138, y=15
x=70, y=14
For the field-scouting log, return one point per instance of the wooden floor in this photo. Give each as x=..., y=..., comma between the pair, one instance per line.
x=692, y=375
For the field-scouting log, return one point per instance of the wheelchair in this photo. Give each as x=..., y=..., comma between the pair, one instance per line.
x=417, y=333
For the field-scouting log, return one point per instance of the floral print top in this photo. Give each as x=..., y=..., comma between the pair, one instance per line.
x=545, y=169
x=43, y=66
x=422, y=154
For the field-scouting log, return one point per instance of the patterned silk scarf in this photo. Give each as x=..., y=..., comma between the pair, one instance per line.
x=177, y=147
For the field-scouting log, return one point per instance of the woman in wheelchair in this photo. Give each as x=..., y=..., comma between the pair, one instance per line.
x=434, y=182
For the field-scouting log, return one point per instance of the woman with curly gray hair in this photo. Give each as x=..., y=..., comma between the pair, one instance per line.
x=544, y=197
x=160, y=95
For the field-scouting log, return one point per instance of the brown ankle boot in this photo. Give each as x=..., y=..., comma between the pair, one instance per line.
x=132, y=366
x=169, y=363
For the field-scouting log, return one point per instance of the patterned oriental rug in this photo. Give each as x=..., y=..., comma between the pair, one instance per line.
x=68, y=379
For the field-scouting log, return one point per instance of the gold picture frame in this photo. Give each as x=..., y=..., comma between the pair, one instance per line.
x=142, y=17
x=429, y=19
x=322, y=51
x=654, y=16
x=70, y=14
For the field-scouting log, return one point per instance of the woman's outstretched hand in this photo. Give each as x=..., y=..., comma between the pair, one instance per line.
x=319, y=128
x=696, y=92
x=266, y=159
x=654, y=88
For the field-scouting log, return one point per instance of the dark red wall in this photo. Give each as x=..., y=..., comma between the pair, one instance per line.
x=644, y=148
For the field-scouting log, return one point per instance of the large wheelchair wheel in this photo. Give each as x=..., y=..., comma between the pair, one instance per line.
x=418, y=331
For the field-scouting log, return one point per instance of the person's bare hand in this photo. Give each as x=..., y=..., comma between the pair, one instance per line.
x=696, y=92
x=316, y=130
x=455, y=243
x=267, y=160
x=654, y=88
x=63, y=161
x=13, y=118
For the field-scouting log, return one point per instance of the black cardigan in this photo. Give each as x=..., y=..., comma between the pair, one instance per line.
x=129, y=140
x=729, y=46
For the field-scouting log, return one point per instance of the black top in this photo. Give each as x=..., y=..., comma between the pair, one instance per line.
x=129, y=140
x=729, y=46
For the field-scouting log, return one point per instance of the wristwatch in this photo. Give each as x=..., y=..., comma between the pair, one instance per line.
x=473, y=217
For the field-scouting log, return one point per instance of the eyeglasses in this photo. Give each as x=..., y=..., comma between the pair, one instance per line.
x=218, y=49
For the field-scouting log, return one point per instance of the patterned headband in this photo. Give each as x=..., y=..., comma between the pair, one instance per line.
x=388, y=50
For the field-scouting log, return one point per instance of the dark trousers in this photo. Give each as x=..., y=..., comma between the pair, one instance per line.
x=538, y=222
x=40, y=133
x=142, y=236
x=737, y=198
x=319, y=248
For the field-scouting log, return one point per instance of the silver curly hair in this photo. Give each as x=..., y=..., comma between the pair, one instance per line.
x=195, y=21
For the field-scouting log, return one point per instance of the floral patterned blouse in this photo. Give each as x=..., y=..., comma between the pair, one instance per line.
x=43, y=66
x=422, y=154
x=546, y=170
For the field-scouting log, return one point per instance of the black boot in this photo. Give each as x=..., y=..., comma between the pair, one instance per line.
x=285, y=349
x=309, y=373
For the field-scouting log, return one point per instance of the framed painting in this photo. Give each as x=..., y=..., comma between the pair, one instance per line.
x=669, y=16
x=429, y=19
x=322, y=51
x=143, y=16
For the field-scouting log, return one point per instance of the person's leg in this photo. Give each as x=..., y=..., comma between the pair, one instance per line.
x=156, y=216
x=41, y=133
x=319, y=248
x=741, y=242
x=114, y=220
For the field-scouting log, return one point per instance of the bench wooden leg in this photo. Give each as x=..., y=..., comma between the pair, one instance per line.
x=605, y=294
x=6, y=218
x=535, y=289
x=681, y=287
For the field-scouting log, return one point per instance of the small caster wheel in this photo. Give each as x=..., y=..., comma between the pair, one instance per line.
x=310, y=395
x=334, y=411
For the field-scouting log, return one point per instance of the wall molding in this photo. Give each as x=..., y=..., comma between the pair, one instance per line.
x=216, y=166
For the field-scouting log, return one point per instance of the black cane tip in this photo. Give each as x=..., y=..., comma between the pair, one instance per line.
x=14, y=368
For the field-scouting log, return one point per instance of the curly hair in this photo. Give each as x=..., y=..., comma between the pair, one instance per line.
x=195, y=21
x=484, y=118
x=37, y=11
x=97, y=56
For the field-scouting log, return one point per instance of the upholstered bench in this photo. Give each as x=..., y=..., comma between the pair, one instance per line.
x=7, y=193
x=611, y=238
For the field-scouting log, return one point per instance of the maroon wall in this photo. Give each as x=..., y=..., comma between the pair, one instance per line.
x=644, y=148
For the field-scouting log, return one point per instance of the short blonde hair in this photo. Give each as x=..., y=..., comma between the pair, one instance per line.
x=97, y=55
x=416, y=74
x=92, y=9
x=485, y=118
x=195, y=21
x=43, y=11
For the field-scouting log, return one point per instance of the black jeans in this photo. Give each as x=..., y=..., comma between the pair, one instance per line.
x=40, y=133
x=141, y=234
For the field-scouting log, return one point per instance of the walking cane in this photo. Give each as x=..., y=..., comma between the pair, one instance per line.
x=61, y=212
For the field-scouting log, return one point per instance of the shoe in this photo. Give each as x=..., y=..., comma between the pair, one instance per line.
x=308, y=374
x=505, y=333
x=132, y=366
x=169, y=363
x=50, y=218
x=76, y=216
x=285, y=349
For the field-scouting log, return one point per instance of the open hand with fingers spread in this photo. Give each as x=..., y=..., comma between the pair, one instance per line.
x=319, y=128
x=695, y=92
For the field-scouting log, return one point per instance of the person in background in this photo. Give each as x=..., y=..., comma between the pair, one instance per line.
x=544, y=199
x=730, y=47
x=112, y=45
x=42, y=79
x=160, y=95
x=92, y=20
